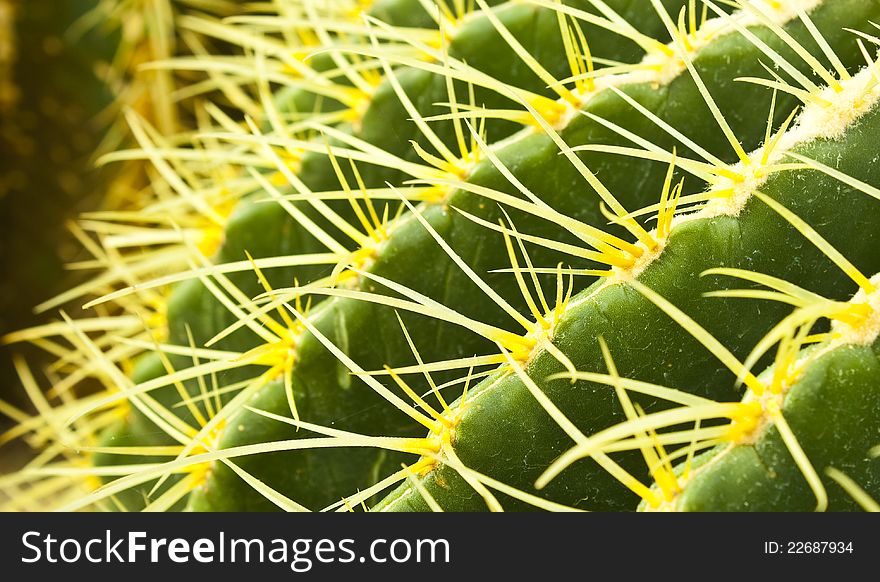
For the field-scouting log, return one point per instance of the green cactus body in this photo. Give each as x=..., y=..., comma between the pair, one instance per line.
x=273, y=359
x=255, y=227
x=625, y=318
x=840, y=388
x=770, y=465
x=476, y=43
x=523, y=154
x=393, y=343
x=403, y=13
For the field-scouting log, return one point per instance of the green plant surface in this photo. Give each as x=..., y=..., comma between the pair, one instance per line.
x=837, y=390
x=470, y=301
x=625, y=318
x=383, y=257
x=253, y=229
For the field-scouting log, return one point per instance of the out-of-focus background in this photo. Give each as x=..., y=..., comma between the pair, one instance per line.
x=52, y=98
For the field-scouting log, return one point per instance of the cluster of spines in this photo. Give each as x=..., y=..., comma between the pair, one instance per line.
x=523, y=347
x=134, y=239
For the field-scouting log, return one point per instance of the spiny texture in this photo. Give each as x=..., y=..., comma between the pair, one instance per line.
x=46, y=146
x=521, y=228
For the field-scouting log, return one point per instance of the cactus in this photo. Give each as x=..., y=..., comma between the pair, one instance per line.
x=45, y=143
x=774, y=458
x=384, y=256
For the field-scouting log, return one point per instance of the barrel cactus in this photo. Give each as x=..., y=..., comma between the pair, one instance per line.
x=467, y=256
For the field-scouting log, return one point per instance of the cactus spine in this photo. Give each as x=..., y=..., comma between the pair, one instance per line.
x=434, y=259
